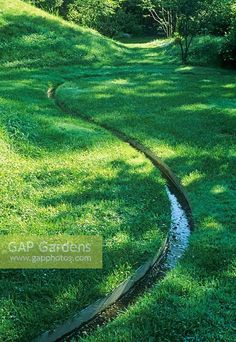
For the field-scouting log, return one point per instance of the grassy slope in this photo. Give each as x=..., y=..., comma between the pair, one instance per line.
x=187, y=116
x=31, y=37
x=60, y=174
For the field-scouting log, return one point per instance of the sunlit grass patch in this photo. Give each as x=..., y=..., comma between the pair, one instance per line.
x=192, y=127
x=60, y=174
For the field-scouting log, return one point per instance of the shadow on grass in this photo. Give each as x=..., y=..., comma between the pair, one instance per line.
x=185, y=118
x=34, y=127
x=163, y=109
x=177, y=115
x=195, y=302
x=130, y=212
x=129, y=218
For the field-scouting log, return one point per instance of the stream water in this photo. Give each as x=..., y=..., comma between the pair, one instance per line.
x=179, y=232
x=96, y=315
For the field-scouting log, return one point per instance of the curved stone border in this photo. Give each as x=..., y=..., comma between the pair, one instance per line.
x=92, y=311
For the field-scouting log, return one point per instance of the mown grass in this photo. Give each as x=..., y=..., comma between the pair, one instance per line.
x=61, y=174
x=33, y=38
x=187, y=116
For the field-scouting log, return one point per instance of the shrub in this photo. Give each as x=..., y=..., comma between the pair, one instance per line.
x=51, y=6
x=228, y=53
x=206, y=50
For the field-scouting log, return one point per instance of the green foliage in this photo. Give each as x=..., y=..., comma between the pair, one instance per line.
x=206, y=50
x=164, y=13
x=107, y=16
x=96, y=14
x=185, y=19
x=217, y=17
x=229, y=50
x=129, y=18
x=60, y=174
x=189, y=16
x=51, y=6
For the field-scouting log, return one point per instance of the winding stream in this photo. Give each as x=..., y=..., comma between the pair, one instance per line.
x=148, y=274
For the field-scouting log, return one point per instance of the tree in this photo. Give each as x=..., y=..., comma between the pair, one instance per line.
x=229, y=49
x=201, y=17
x=93, y=13
x=164, y=13
x=190, y=14
x=182, y=18
x=218, y=16
x=51, y=6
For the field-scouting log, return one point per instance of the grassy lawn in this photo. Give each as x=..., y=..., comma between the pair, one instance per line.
x=187, y=116
x=61, y=174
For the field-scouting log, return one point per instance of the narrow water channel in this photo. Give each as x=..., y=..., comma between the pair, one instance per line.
x=148, y=274
x=179, y=232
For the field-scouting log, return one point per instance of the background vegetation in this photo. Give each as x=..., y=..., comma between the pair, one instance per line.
x=171, y=18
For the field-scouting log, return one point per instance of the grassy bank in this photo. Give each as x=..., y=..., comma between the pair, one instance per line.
x=33, y=38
